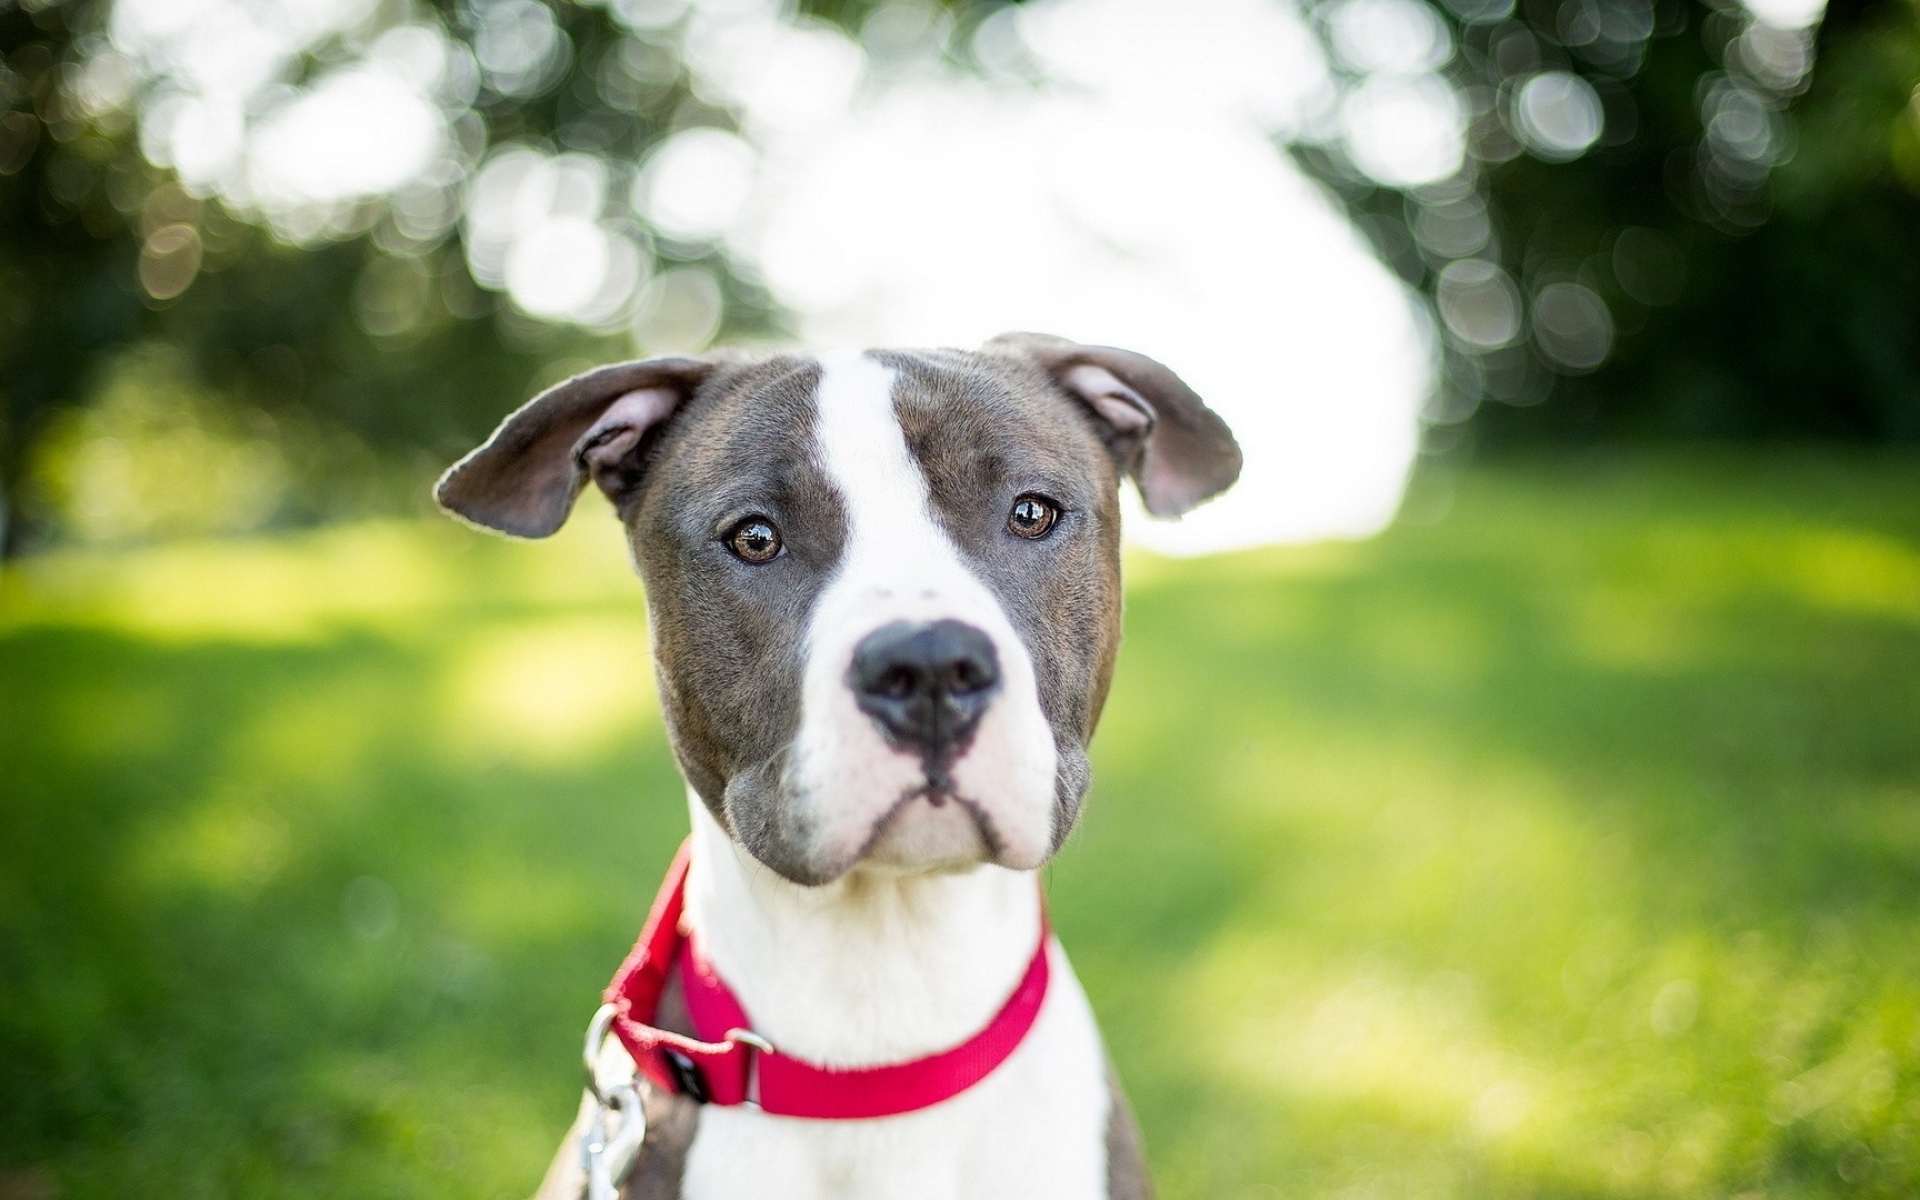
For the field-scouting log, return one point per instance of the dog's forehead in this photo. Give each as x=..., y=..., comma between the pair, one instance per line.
x=748, y=417
x=981, y=395
x=757, y=424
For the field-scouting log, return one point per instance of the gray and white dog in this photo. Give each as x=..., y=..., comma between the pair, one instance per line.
x=884, y=592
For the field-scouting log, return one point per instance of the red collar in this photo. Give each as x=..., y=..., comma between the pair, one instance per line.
x=729, y=1064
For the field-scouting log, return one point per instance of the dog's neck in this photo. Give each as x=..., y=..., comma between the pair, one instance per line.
x=872, y=968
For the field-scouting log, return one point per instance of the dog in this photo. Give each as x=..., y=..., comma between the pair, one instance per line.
x=884, y=600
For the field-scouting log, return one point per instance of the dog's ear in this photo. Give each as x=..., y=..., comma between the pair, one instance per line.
x=1178, y=451
x=524, y=479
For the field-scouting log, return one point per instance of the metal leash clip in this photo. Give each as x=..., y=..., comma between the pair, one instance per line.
x=610, y=1144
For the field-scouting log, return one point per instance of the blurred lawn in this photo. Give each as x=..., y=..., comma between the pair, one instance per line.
x=1564, y=841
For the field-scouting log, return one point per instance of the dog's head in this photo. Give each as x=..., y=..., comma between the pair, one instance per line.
x=884, y=587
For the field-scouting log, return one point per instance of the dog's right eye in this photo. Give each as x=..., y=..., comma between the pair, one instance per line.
x=1032, y=516
x=754, y=540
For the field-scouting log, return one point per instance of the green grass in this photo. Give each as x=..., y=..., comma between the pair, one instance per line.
x=1561, y=842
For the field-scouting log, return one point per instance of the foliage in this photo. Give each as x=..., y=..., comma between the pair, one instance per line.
x=1804, y=327
x=1733, y=257
x=364, y=326
x=1560, y=843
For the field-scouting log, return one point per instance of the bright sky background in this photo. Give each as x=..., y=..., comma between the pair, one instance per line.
x=1134, y=198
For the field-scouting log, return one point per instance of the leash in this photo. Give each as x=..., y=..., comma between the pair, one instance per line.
x=729, y=1065
x=610, y=1144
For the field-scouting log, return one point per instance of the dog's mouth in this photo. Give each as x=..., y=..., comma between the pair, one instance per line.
x=932, y=827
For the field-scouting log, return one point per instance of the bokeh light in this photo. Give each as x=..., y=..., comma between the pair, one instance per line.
x=1403, y=132
x=1558, y=115
x=1572, y=326
x=696, y=184
x=1479, y=304
x=1400, y=37
x=882, y=195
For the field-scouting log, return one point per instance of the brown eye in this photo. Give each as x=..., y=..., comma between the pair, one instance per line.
x=1032, y=517
x=755, y=540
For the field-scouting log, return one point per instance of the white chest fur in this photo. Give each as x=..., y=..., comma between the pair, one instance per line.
x=1034, y=1128
x=871, y=971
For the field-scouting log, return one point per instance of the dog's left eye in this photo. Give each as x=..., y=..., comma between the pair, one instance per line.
x=754, y=540
x=1032, y=516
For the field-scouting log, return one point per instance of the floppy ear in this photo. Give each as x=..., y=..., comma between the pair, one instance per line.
x=524, y=479
x=1177, y=450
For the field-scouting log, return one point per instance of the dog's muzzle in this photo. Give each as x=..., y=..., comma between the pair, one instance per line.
x=926, y=684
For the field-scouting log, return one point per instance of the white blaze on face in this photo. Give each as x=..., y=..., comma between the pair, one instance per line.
x=900, y=565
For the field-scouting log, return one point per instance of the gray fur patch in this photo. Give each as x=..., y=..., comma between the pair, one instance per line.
x=728, y=634
x=1127, y=1177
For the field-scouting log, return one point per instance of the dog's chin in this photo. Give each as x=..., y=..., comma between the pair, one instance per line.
x=801, y=831
x=928, y=833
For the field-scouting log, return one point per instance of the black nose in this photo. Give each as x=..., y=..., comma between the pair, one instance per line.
x=926, y=685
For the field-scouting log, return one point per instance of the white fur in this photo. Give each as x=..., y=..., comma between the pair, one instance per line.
x=900, y=565
x=877, y=967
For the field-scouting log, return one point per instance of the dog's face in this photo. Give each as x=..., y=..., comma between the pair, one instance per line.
x=884, y=587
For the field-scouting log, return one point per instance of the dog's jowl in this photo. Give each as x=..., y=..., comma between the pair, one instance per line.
x=884, y=593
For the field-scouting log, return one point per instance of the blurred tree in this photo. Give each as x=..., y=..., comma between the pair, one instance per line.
x=351, y=324
x=1677, y=218
x=1810, y=325
x=1680, y=219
